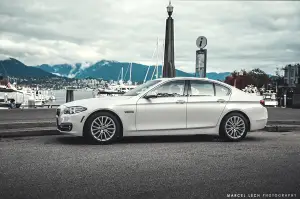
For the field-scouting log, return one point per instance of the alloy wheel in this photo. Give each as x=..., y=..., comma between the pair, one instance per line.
x=235, y=127
x=103, y=128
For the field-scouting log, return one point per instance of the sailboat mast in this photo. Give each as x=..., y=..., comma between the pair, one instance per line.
x=157, y=57
x=127, y=70
x=162, y=54
x=146, y=74
x=153, y=73
x=155, y=67
x=156, y=49
x=122, y=74
x=130, y=71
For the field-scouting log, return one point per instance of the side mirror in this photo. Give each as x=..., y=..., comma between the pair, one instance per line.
x=151, y=94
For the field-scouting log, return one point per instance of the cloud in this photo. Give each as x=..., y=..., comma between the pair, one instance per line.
x=241, y=34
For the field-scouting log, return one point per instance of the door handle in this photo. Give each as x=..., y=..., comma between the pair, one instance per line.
x=221, y=100
x=180, y=102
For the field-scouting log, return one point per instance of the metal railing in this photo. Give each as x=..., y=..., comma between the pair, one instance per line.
x=41, y=106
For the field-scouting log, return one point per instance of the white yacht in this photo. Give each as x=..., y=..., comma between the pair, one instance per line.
x=118, y=88
x=36, y=96
x=9, y=96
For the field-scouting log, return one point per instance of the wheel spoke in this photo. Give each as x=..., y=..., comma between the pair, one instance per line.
x=100, y=135
x=98, y=119
x=97, y=132
x=239, y=132
x=104, y=134
x=231, y=122
x=97, y=124
x=108, y=132
x=109, y=123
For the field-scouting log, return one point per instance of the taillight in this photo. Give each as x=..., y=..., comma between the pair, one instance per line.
x=262, y=102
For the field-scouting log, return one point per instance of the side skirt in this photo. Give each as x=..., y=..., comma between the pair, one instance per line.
x=193, y=131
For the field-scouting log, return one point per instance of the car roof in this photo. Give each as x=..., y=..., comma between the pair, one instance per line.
x=186, y=78
x=194, y=78
x=168, y=78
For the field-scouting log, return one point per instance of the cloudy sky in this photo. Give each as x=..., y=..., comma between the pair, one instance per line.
x=241, y=34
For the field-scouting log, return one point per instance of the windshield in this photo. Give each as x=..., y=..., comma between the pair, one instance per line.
x=141, y=88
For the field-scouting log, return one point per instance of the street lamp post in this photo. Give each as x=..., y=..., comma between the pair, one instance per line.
x=169, y=63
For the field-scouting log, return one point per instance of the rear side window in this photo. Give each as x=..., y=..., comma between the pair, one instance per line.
x=201, y=88
x=221, y=90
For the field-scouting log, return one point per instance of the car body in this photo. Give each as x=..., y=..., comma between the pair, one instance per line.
x=166, y=106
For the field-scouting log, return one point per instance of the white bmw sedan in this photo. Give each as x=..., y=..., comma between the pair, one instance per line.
x=166, y=106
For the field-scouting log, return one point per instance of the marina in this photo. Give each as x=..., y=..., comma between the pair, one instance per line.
x=35, y=98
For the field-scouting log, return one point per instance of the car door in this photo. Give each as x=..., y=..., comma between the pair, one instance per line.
x=206, y=102
x=166, y=111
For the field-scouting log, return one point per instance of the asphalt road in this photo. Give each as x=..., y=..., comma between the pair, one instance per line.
x=150, y=167
x=24, y=115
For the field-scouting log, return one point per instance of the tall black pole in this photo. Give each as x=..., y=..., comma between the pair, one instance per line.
x=201, y=57
x=201, y=60
x=169, y=63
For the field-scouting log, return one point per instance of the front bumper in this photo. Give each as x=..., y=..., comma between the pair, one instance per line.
x=70, y=124
x=66, y=127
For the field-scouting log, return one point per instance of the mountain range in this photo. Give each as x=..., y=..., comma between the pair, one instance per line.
x=104, y=69
x=15, y=68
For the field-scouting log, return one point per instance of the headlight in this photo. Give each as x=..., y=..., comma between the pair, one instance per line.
x=74, y=109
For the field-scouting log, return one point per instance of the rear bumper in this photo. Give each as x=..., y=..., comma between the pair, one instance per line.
x=258, y=124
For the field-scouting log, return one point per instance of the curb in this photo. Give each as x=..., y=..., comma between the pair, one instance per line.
x=281, y=128
x=29, y=132
x=283, y=122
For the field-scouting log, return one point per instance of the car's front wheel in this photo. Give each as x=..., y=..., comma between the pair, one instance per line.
x=234, y=127
x=102, y=128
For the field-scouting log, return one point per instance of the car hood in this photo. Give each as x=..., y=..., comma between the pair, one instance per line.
x=97, y=101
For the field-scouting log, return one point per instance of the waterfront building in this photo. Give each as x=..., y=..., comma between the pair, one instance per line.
x=292, y=75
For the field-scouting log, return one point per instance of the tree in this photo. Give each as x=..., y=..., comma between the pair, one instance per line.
x=234, y=74
x=259, y=77
x=278, y=78
x=254, y=77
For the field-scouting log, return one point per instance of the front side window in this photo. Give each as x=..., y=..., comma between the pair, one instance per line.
x=171, y=89
x=202, y=88
x=141, y=88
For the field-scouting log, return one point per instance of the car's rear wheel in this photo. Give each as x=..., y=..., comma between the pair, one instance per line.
x=102, y=128
x=234, y=127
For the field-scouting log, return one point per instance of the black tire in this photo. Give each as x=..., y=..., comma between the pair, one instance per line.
x=225, y=135
x=88, y=128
